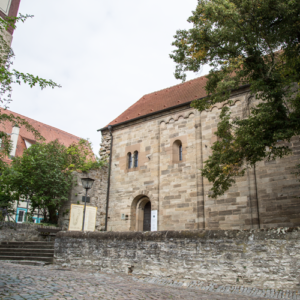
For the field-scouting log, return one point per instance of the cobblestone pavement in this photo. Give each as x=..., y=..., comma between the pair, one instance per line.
x=35, y=282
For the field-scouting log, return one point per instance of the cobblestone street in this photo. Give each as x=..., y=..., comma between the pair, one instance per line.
x=35, y=282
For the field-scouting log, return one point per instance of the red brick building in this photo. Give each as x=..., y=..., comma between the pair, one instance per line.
x=23, y=139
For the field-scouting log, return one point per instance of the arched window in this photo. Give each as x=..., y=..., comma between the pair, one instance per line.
x=177, y=152
x=136, y=159
x=129, y=158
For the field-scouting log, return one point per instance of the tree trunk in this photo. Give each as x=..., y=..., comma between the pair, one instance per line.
x=53, y=217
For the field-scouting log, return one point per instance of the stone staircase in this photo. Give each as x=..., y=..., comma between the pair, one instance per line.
x=39, y=252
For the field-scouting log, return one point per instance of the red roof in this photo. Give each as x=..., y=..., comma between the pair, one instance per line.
x=167, y=98
x=7, y=160
x=48, y=132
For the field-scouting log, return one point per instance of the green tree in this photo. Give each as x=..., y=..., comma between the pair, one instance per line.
x=7, y=198
x=246, y=42
x=7, y=78
x=44, y=174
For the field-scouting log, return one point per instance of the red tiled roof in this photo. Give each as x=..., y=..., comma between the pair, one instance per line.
x=48, y=132
x=157, y=101
x=7, y=160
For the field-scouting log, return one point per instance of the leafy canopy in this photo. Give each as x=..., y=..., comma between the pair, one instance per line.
x=44, y=174
x=7, y=198
x=7, y=78
x=246, y=42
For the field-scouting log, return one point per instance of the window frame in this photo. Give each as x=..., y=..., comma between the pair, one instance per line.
x=177, y=152
x=180, y=152
x=129, y=160
x=135, y=159
x=23, y=215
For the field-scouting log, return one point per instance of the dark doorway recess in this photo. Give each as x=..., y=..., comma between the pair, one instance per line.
x=147, y=217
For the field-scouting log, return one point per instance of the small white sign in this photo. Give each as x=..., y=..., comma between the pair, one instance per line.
x=90, y=218
x=153, y=220
x=5, y=6
x=76, y=217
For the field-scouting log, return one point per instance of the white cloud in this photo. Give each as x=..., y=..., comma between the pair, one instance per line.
x=106, y=54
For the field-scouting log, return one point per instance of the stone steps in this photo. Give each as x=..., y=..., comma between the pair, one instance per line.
x=33, y=258
x=28, y=245
x=15, y=252
x=27, y=251
x=27, y=262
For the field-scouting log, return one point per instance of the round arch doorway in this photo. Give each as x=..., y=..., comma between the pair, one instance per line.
x=141, y=214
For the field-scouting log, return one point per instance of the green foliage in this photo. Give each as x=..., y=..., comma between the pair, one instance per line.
x=7, y=198
x=66, y=212
x=5, y=138
x=82, y=158
x=44, y=174
x=254, y=43
x=47, y=224
x=29, y=218
x=9, y=77
x=38, y=175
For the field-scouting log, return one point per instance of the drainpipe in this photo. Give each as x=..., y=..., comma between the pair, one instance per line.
x=109, y=171
x=16, y=219
x=255, y=178
x=257, y=201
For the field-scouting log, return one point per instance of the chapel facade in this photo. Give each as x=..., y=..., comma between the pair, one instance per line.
x=158, y=147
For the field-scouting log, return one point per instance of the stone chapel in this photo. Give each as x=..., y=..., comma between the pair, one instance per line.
x=157, y=148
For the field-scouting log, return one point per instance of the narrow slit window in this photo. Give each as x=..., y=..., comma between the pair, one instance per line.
x=136, y=159
x=177, y=152
x=180, y=152
x=129, y=160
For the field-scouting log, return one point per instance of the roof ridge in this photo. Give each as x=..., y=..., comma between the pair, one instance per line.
x=41, y=123
x=182, y=83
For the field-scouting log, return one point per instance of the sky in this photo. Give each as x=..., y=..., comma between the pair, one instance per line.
x=106, y=54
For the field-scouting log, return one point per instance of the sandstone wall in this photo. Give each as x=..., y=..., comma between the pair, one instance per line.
x=97, y=196
x=278, y=190
x=237, y=208
x=171, y=187
x=260, y=258
x=264, y=197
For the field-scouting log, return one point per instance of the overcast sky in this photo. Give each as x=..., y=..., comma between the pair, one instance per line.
x=106, y=54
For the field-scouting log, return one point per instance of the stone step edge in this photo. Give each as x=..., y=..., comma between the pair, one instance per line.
x=15, y=257
x=48, y=255
x=26, y=249
x=27, y=262
x=26, y=242
x=28, y=246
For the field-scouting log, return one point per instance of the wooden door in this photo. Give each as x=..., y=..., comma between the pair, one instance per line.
x=147, y=217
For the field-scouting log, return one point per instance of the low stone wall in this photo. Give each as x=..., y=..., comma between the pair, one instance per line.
x=18, y=232
x=261, y=258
